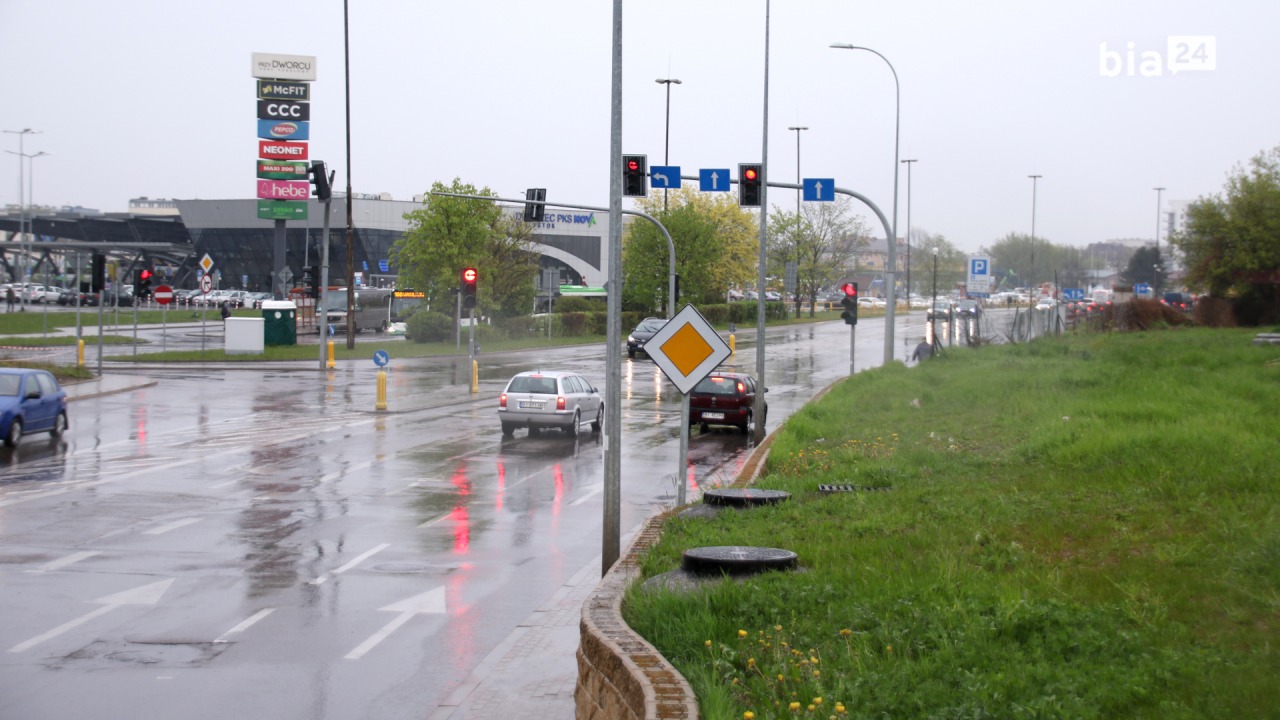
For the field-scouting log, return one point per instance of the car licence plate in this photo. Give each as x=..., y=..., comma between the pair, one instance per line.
x=531, y=405
x=712, y=416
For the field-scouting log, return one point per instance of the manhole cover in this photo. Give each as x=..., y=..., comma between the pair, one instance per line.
x=852, y=488
x=743, y=497
x=736, y=559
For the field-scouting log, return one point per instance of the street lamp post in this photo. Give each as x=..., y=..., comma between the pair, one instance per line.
x=1159, y=198
x=798, y=128
x=933, y=304
x=22, y=203
x=909, y=163
x=1034, y=179
x=666, y=149
x=890, y=301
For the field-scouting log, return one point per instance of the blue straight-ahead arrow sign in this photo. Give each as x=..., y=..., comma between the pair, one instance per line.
x=713, y=180
x=666, y=177
x=819, y=189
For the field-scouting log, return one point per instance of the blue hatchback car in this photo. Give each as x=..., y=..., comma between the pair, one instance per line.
x=30, y=401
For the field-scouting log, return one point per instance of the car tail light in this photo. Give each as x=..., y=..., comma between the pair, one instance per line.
x=560, y=403
x=502, y=400
x=741, y=388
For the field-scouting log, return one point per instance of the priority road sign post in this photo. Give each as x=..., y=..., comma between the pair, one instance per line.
x=164, y=296
x=686, y=349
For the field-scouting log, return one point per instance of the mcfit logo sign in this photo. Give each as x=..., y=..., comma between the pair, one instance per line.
x=284, y=126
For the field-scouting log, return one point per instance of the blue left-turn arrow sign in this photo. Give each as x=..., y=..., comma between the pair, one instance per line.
x=819, y=189
x=666, y=177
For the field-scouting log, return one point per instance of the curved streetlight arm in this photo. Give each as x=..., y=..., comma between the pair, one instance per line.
x=671, y=246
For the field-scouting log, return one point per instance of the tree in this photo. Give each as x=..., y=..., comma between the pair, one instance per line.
x=1145, y=266
x=821, y=239
x=1231, y=242
x=448, y=234
x=951, y=261
x=716, y=244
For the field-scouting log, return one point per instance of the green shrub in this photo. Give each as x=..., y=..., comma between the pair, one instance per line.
x=579, y=305
x=573, y=323
x=424, y=327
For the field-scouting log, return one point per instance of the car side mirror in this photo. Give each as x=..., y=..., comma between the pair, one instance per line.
x=34, y=395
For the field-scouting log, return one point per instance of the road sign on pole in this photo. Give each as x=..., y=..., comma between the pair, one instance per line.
x=687, y=348
x=206, y=284
x=666, y=177
x=163, y=294
x=979, y=284
x=714, y=179
x=819, y=189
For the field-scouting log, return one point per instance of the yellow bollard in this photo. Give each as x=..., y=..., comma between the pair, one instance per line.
x=80, y=352
x=475, y=376
x=733, y=344
x=330, y=364
x=381, y=403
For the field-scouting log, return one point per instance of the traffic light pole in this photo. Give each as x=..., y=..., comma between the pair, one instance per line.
x=322, y=314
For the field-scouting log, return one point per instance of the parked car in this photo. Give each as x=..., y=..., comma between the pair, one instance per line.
x=30, y=401
x=255, y=300
x=645, y=330
x=68, y=296
x=724, y=398
x=941, y=310
x=549, y=399
x=772, y=295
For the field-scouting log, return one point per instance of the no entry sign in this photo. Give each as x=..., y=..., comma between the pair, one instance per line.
x=163, y=294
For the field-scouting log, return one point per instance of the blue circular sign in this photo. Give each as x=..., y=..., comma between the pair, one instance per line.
x=381, y=358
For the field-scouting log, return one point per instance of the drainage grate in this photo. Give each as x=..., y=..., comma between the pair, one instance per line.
x=853, y=488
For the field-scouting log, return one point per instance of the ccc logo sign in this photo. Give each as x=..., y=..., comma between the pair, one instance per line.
x=283, y=110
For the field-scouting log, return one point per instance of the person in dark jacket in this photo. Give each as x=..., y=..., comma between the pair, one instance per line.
x=923, y=351
x=225, y=311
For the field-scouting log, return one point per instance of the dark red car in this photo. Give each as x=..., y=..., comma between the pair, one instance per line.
x=724, y=398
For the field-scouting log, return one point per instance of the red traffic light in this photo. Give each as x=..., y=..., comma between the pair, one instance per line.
x=145, y=275
x=469, y=275
x=633, y=165
x=749, y=174
x=850, y=289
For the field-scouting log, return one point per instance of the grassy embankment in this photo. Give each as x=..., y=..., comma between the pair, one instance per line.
x=1082, y=527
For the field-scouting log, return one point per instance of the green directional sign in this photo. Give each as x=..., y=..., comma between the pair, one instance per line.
x=282, y=210
x=282, y=170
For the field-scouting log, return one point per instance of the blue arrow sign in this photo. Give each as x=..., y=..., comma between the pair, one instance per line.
x=714, y=180
x=666, y=177
x=819, y=189
x=1073, y=293
x=381, y=358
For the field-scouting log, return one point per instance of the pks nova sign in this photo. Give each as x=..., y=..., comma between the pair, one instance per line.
x=283, y=130
x=284, y=189
x=281, y=150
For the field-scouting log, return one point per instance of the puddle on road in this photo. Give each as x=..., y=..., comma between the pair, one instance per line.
x=160, y=653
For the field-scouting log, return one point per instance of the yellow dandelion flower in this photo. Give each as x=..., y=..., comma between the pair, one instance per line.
x=748, y=715
x=707, y=643
x=813, y=660
x=777, y=627
x=888, y=648
x=751, y=662
x=811, y=708
x=846, y=632
x=742, y=633
x=817, y=701
x=780, y=678
x=794, y=707
x=817, y=673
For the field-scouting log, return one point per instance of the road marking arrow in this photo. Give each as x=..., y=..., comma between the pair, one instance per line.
x=144, y=595
x=431, y=601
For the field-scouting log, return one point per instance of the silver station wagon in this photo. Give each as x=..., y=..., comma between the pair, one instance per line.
x=550, y=399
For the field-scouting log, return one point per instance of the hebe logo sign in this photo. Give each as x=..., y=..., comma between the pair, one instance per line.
x=1183, y=53
x=283, y=190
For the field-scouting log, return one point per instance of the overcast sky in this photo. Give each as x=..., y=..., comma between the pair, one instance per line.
x=155, y=98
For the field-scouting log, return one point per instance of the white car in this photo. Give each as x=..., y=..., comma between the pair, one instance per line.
x=550, y=399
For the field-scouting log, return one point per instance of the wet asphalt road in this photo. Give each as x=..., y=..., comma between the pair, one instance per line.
x=259, y=542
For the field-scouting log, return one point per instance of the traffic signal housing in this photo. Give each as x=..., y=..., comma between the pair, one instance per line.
x=850, y=303
x=142, y=288
x=750, y=178
x=311, y=280
x=99, y=277
x=635, y=175
x=469, y=277
x=320, y=179
x=534, y=212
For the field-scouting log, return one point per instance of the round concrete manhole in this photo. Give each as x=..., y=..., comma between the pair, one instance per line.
x=736, y=560
x=743, y=497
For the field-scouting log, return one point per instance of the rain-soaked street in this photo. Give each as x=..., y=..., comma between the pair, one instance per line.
x=258, y=541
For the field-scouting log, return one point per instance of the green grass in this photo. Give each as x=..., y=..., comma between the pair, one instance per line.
x=1082, y=526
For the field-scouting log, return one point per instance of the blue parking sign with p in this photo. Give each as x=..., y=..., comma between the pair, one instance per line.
x=978, y=266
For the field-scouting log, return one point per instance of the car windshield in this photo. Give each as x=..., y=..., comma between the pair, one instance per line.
x=717, y=386
x=651, y=325
x=9, y=384
x=533, y=384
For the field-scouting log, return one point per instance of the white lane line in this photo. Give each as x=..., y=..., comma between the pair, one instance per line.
x=379, y=636
x=171, y=526
x=245, y=624
x=64, y=561
x=356, y=561
x=594, y=491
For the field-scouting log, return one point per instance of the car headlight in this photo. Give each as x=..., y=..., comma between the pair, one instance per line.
x=631, y=338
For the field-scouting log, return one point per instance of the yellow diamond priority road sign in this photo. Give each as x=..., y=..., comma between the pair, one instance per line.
x=687, y=348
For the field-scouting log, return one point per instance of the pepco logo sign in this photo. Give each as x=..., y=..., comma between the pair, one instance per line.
x=284, y=189
x=274, y=129
x=281, y=150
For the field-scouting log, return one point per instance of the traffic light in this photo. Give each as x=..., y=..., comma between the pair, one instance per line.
x=99, y=273
x=321, y=179
x=311, y=280
x=750, y=178
x=849, y=303
x=469, y=276
x=534, y=212
x=635, y=178
x=142, y=288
